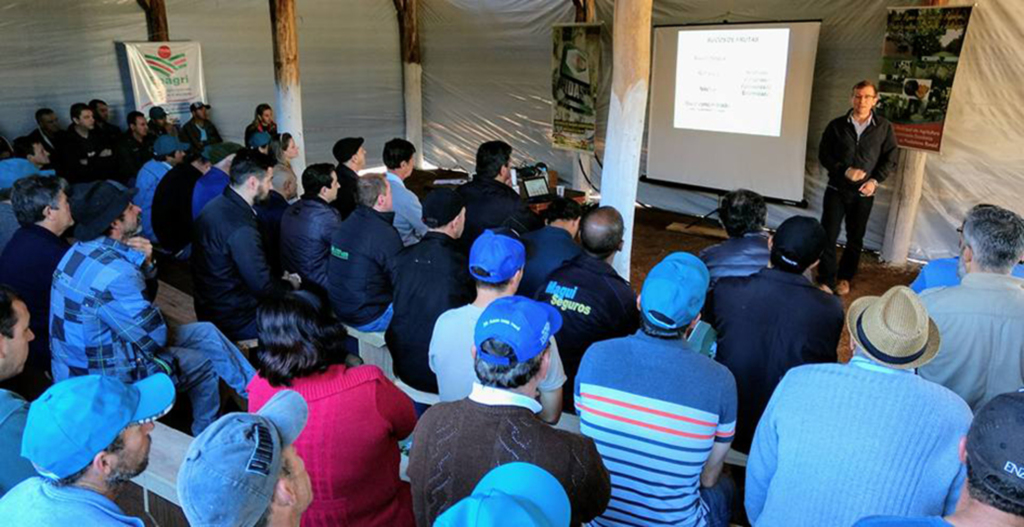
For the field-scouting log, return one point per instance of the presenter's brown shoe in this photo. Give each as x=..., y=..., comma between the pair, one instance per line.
x=843, y=287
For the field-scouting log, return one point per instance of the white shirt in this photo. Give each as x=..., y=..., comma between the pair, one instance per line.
x=451, y=357
x=859, y=126
x=498, y=397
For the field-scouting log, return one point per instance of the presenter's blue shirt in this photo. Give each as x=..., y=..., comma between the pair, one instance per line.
x=38, y=503
x=942, y=273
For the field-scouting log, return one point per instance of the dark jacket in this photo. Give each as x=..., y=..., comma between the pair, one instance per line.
x=740, y=256
x=131, y=155
x=875, y=151
x=430, y=277
x=546, y=250
x=256, y=127
x=27, y=266
x=491, y=203
x=190, y=133
x=768, y=323
x=80, y=159
x=172, y=207
x=363, y=251
x=306, y=230
x=229, y=266
x=269, y=214
x=346, y=201
x=596, y=304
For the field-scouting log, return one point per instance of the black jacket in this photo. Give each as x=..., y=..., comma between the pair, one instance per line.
x=491, y=204
x=131, y=155
x=269, y=214
x=346, y=200
x=430, y=277
x=190, y=133
x=875, y=151
x=306, y=230
x=81, y=160
x=229, y=267
x=768, y=323
x=172, y=207
x=363, y=251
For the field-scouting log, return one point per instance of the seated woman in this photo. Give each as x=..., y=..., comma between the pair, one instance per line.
x=356, y=417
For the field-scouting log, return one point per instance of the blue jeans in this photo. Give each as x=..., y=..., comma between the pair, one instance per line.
x=204, y=355
x=718, y=500
x=382, y=322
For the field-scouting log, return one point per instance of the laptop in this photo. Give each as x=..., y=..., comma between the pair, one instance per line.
x=536, y=189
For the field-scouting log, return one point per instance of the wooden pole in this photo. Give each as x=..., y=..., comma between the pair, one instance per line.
x=156, y=19
x=286, y=77
x=631, y=60
x=412, y=73
x=586, y=13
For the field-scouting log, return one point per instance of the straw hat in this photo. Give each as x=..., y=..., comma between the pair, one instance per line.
x=894, y=329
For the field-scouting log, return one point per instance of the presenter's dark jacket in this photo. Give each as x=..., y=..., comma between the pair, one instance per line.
x=363, y=251
x=596, y=304
x=491, y=204
x=306, y=230
x=874, y=153
x=430, y=277
x=345, y=203
x=768, y=323
x=229, y=266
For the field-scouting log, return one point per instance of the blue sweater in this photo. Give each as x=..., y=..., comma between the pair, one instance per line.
x=841, y=442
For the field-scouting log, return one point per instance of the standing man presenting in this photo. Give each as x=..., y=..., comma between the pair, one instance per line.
x=859, y=152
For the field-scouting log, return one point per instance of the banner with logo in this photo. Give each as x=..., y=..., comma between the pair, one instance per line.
x=919, y=61
x=166, y=74
x=576, y=69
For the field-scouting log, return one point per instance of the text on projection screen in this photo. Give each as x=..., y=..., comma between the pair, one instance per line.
x=731, y=80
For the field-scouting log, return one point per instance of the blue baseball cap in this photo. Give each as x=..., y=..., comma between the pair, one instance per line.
x=230, y=470
x=674, y=291
x=167, y=144
x=512, y=495
x=259, y=139
x=76, y=419
x=525, y=325
x=495, y=258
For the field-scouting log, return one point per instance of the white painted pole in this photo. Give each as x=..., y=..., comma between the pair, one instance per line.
x=906, y=200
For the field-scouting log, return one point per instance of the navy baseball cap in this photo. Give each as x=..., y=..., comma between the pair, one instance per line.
x=994, y=448
x=157, y=112
x=259, y=139
x=167, y=144
x=674, y=291
x=197, y=105
x=524, y=325
x=76, y=419
x=495, y=258
x=512, y=495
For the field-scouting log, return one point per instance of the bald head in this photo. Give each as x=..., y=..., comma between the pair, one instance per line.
x=601, y=232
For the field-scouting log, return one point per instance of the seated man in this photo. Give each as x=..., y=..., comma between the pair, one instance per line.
x=430, y=277
x=743, y=214
x=168, y=152
x=455, y=444
x=84, y=153
x=550, y=247
x=103, y=320
x=8, y=220
x=77, y=485
x=363, y=251
x=29, y=158
x=172, y=206
x=758, y=341
x=490, y=200
x=101, y=112
x=159, y=124
x=994, y=491
x=982, y=353
x=596, y=303
x=398, y=158
x=662, y=415
x=213, y=183
x=47, y=130
x=351, y=157
x=200, y=131
x=133, y=148
x=259, y=479
x=229, y=263
x=307, y=227
x=888, y=435
x=28, y=261
x=283, y=190
x=496, y=263
x=15, y=338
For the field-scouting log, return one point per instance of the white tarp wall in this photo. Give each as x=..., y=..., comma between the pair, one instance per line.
x=57, y=52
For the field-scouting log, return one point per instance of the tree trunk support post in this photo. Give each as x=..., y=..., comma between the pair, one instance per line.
x=412, y=73
x=156, y=19
x=286, y=77
x=631, y=60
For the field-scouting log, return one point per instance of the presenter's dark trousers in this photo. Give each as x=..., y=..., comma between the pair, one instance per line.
x=855, y=209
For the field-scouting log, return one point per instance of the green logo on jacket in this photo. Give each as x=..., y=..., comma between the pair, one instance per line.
x=338, y=253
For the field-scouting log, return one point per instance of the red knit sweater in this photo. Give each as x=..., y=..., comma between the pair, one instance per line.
x=350, y=445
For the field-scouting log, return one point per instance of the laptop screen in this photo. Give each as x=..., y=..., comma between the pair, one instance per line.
x=536, y=187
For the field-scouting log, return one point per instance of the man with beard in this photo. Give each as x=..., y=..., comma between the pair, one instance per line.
x=103, y=319
x=81, y=473
x=229, y=263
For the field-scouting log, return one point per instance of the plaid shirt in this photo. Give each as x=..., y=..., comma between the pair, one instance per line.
x=100, y=319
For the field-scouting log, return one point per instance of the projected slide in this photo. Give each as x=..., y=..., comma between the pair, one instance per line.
x=731, y=80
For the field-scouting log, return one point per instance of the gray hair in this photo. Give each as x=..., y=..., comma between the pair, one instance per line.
x=509, y=376
x=369, y=188
x=996, y=235
x=32, y=194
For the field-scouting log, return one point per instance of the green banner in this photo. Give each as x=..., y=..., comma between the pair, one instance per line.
x=576, y=69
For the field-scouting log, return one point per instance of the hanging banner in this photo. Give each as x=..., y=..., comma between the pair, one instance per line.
x=166, y=74
x=576, y=67
x=919, y=60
